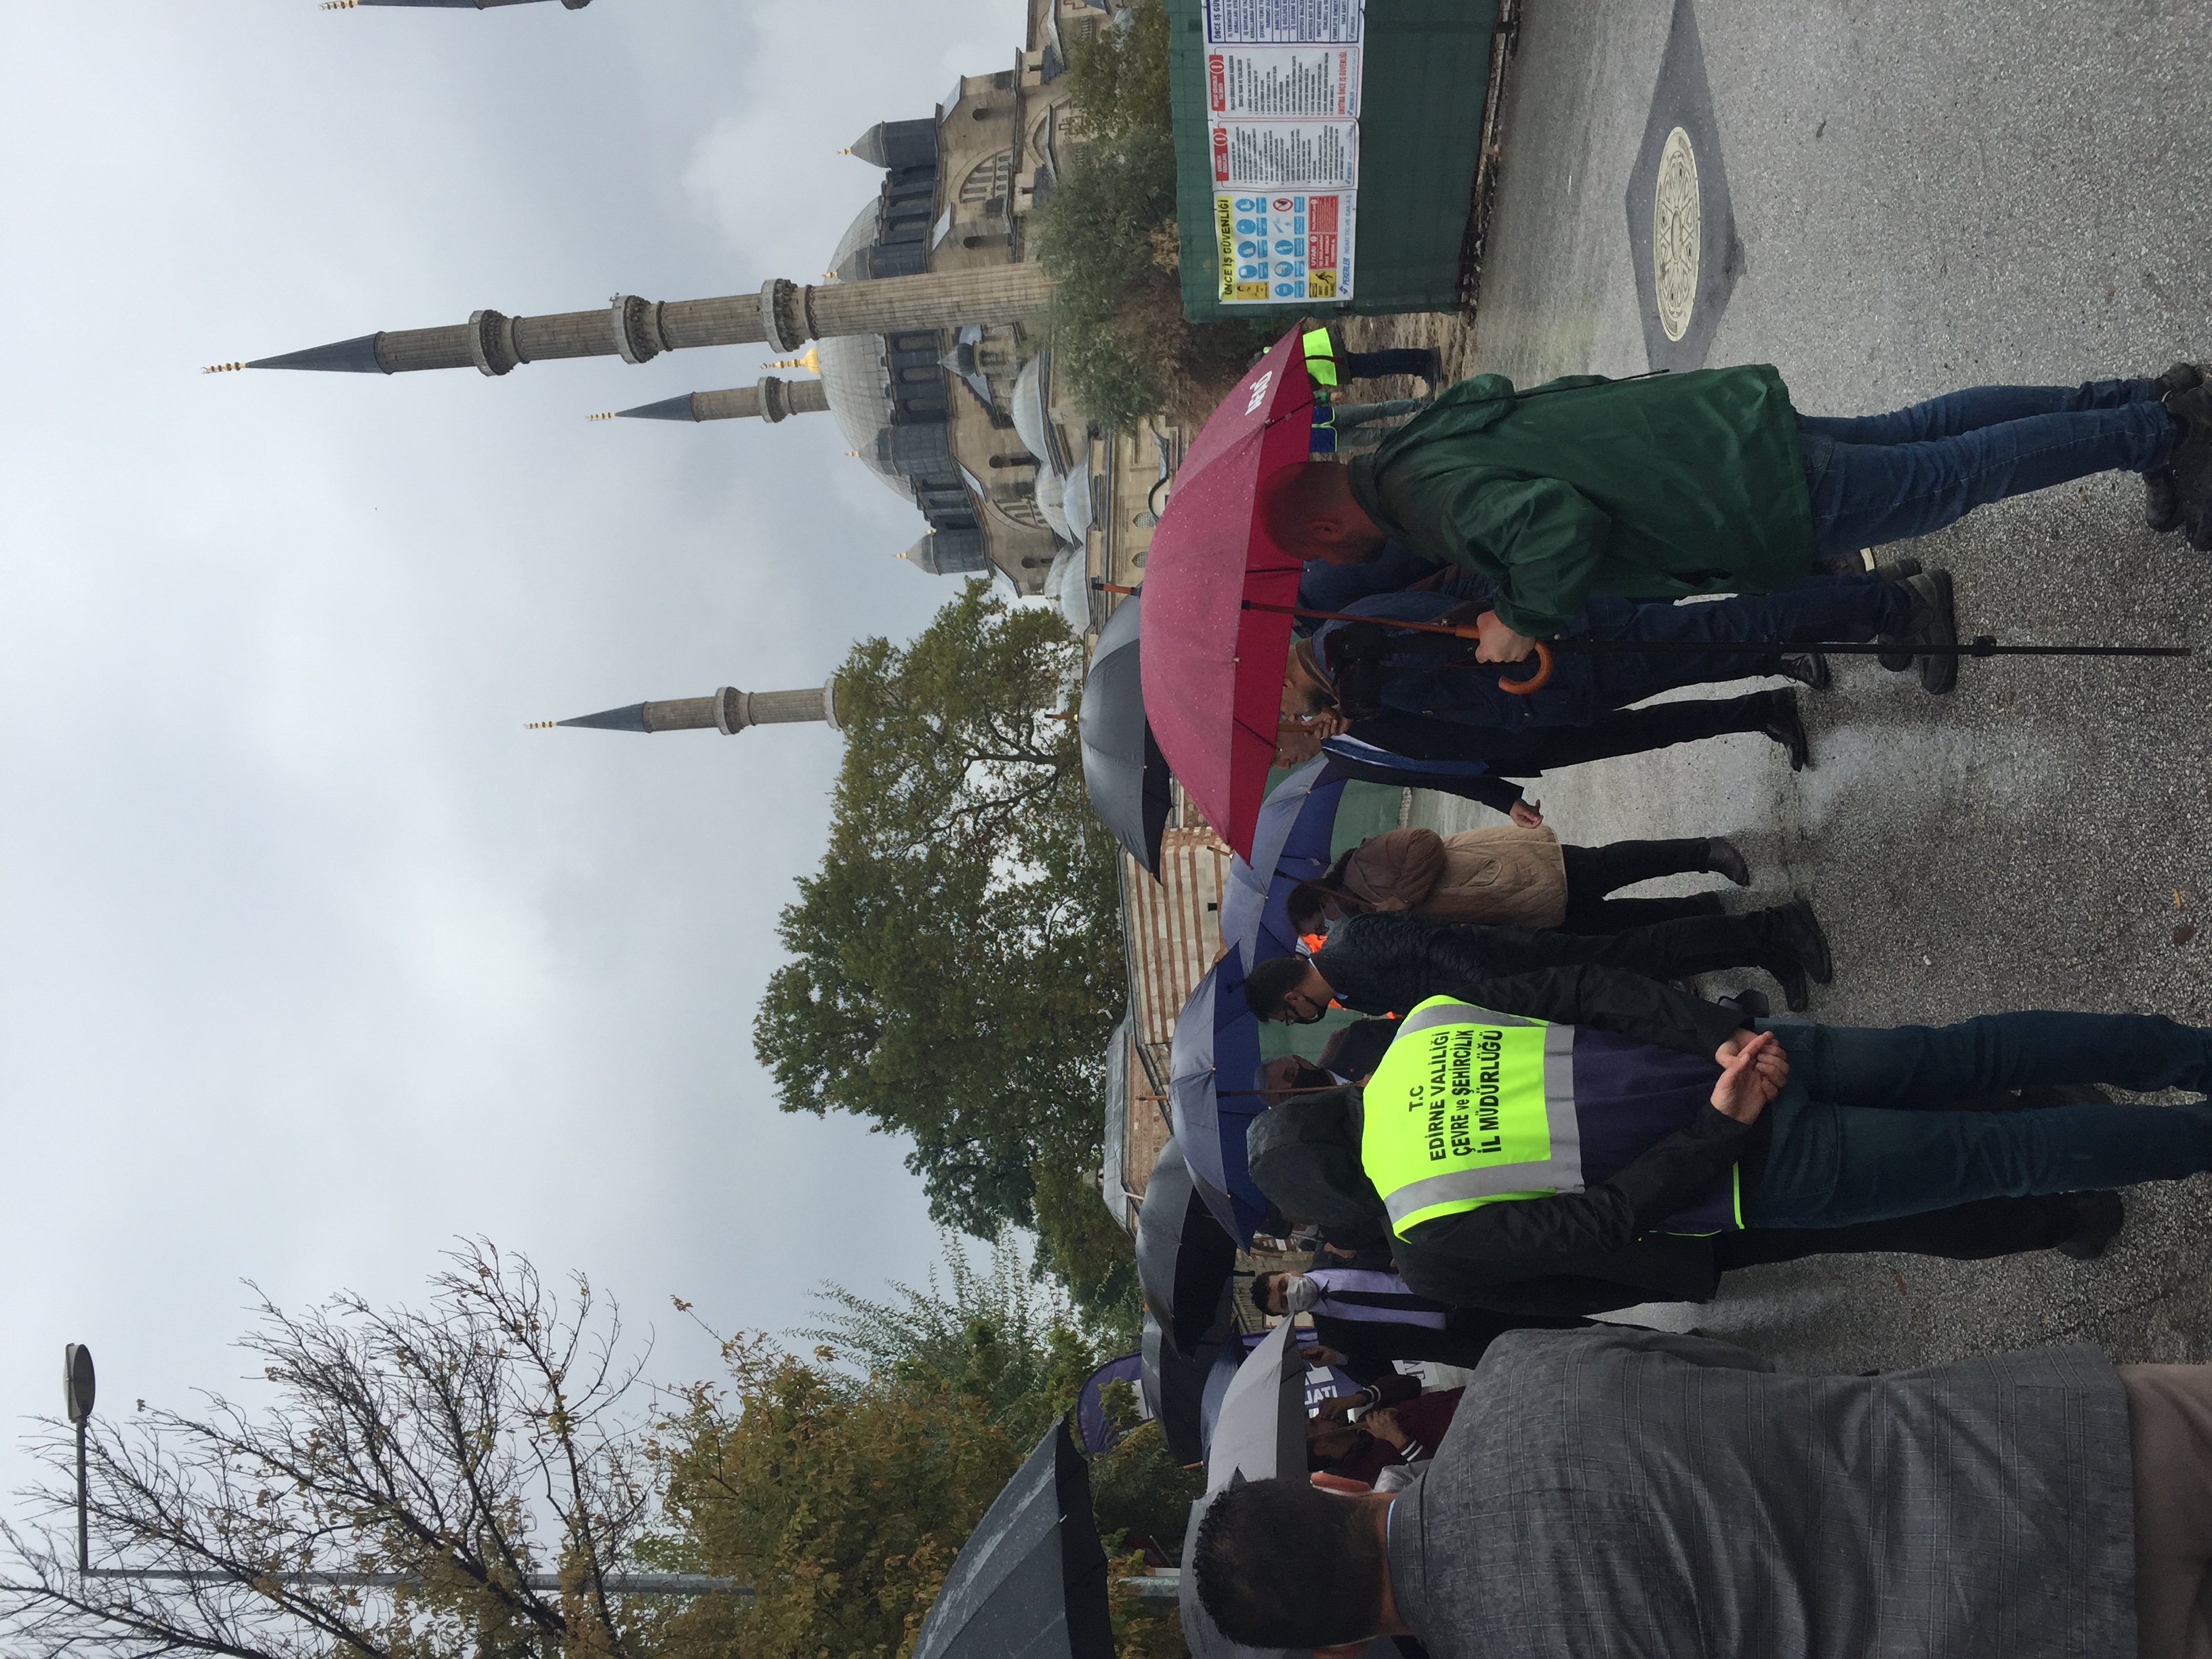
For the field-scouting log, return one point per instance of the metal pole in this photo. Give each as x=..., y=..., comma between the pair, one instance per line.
x=83, y=1531
x=618, y=1584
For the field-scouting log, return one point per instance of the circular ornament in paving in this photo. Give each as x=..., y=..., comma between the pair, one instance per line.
x=1675, y=230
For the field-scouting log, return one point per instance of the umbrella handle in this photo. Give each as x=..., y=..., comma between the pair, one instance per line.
x=1535, y=682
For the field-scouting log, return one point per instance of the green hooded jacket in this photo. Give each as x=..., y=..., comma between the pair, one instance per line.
x=1646, y=489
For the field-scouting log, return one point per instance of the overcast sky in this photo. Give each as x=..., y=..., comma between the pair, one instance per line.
x=314, y=957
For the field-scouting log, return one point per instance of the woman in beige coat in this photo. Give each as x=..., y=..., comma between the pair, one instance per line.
x=1511, y=875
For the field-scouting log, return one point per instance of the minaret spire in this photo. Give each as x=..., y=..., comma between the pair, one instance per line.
x=771, y=400
x=783, y=316
x=728, y=711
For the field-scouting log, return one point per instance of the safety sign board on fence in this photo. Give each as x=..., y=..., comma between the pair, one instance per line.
x=1282, y=107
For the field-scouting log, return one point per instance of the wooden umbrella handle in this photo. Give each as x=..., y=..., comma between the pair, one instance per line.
x=1535, y=682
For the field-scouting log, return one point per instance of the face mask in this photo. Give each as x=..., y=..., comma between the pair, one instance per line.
x=1300, y=1293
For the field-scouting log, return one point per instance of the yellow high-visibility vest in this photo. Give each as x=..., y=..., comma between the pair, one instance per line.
x=1470, y=1107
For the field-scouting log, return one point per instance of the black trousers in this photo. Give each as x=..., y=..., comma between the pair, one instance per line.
x=1682, y=948
x=1966, y=1232
x=1369, y=1348
x=1528, y=752
x=1594, y=871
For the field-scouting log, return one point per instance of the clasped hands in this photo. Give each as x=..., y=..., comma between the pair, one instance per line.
x=1754, y=1070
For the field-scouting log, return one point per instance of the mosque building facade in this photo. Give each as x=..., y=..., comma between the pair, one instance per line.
x=925, y=348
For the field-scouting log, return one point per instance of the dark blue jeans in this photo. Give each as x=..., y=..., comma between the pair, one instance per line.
x=1879, y=478
x=1862, y=1134
x=1585, y=688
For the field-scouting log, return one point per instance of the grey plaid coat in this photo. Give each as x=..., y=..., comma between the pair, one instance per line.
x=1632, y=1492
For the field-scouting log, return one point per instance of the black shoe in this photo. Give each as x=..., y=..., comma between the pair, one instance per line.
x=1807, y=668
x=2179, y=377
x=1932, y=623
x=1434, y=373
x=2161, y=502
x=1721, y=858
x=1752, y=1005
x=1897, y=570
x=1799, y=935
x=2100, y=1217
x=2192, y=463
x=1784, y=725
x=1796, y=994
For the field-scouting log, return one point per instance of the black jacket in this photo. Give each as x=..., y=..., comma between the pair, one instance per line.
x=1389, y=961
x=1575, y=1252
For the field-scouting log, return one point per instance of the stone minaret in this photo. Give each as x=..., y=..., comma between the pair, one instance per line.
x=729, y=711
x=770, y=400
x=455, y=5
x=783, y=316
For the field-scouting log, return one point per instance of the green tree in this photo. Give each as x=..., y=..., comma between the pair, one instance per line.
x=1092, y=1257
x=1121, y=346
x=957, y=962
x=1004, y=1338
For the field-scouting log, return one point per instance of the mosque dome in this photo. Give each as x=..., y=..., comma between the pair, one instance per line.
x=1067, y=585
x=853, y=376
x=1075, y=501
x=1031, y=405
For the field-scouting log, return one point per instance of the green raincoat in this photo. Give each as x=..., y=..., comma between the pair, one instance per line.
x=1647, y=490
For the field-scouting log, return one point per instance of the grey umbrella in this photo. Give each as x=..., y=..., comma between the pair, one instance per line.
x=1123, y=770
x=1261, y=1436
x=1184, y=1259
x=1031, y=1581
x=1261, y=1432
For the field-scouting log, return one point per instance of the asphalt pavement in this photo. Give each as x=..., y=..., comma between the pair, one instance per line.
x=1926, y=196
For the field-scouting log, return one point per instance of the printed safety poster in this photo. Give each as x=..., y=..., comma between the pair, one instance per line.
x=1283, y=88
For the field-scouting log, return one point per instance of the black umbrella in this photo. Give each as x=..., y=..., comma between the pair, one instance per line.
x=1123, y=770
x=1031, y=1581
x=1184, y=1258
x=1174, y=1387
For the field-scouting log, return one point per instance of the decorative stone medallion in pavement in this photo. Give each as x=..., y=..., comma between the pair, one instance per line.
x=1681, y=235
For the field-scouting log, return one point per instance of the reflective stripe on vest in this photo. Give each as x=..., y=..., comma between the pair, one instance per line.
x=1321, y=355
x=1469, y=1107
x=1321, y=368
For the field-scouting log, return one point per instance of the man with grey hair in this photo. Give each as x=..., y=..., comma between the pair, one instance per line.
x=1627, y=1491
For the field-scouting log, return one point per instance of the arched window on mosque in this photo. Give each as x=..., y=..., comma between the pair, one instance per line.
x=987, y=178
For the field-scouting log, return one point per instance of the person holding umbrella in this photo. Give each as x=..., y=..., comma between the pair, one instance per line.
x=1710, y=482
x=1414, y=751
x=1369, y=670
x=1373, y=1319
x=1383, y=961
x=1397, y=1433
x=1507, y=873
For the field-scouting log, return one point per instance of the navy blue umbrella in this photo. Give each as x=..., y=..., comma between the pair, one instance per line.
x=1290, y=845
x=1093, y=1426
x=1213, y=1073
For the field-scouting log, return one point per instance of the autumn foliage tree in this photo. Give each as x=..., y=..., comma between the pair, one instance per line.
x=473, y=1448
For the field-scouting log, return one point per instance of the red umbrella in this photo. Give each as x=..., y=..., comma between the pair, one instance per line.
x=1214, y=670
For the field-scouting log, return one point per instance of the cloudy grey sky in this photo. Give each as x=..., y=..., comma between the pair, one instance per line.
x=314, y=957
